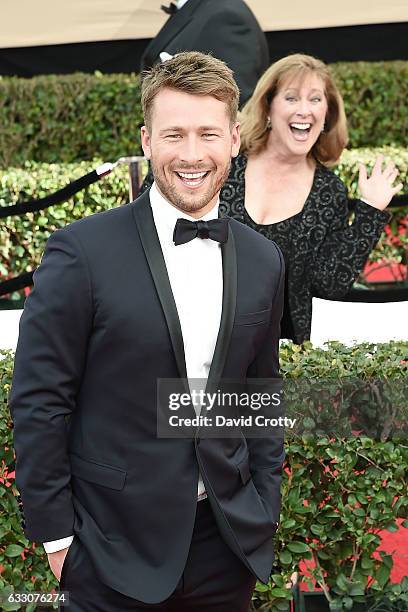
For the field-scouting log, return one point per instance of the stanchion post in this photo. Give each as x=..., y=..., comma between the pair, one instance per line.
x=134, y=163
x=135, y=176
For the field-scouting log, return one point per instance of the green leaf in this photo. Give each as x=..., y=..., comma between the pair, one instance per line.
x=281, y=605
x=382, y=575
x=262, y=588
x=322, y=554
x=13, y=550
x=281, y=593
x=297, y=547
x=278, y=580
x=347, y=603
x=342, y=583
x=356, y=589
x=285, y=557
x=366, y=562
x=288, y=524
x=7, y=607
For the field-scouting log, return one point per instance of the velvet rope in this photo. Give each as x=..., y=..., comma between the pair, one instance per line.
x=58, y=196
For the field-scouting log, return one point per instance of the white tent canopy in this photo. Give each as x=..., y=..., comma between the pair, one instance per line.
x=46, y=22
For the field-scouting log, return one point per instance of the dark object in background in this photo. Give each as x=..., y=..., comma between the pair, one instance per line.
x=225, y=28
x=114, y=56
x=357, y=43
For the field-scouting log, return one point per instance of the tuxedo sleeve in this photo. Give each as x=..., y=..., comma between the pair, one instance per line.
x=266, y=454
x=49, y=363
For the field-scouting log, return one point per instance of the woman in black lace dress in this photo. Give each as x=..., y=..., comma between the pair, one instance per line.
x=293, y=128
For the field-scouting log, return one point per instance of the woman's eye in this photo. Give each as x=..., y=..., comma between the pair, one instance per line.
x=290, y=98
x=316, y=99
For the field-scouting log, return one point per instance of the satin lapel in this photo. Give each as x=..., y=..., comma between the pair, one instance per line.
x=229, y=299
x=171, y=28
x=151, y=245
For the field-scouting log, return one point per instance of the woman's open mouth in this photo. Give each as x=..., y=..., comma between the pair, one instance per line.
x=300, y=131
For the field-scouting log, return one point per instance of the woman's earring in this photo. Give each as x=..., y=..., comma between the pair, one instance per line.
x=322, y=131
x=268, y=123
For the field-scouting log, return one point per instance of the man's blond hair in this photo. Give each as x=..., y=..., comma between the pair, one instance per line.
x=194, y=73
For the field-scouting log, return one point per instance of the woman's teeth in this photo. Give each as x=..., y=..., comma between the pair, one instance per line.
x=300, y=130
x=301, y=126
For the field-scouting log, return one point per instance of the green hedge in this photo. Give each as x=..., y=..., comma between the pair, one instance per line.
x=22, y=239
x=336, y=493
x=80, y=116
x=69, y=118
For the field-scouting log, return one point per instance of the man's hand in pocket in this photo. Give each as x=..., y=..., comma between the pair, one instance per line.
x=56, y=561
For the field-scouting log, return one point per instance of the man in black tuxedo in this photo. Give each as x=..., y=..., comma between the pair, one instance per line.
x=225, y=28
x=157, y=289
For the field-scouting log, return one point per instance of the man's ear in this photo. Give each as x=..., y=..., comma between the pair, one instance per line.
x=145, y=138
x=236, y=139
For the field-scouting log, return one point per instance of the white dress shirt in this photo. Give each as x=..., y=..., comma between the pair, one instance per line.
x=195, y=274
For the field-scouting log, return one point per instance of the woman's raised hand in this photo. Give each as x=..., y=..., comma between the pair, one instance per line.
x=377, y=190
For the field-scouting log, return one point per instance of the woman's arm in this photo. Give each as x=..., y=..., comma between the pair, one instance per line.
x=345, y=248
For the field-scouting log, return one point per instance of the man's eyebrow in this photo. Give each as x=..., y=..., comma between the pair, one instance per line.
x=210, y=128
x=174, y=128
x=201, y=128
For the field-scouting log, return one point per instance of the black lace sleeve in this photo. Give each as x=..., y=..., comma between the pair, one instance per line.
x=345, y=248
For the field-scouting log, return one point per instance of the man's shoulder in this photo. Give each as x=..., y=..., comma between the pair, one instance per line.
x=255, y=244
x=104, y=221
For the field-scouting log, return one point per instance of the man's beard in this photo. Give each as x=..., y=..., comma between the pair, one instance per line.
x=190, y=204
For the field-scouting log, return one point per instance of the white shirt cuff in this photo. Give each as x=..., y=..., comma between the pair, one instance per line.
x=56, y=545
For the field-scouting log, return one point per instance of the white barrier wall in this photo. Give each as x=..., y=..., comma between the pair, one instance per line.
x=347, y=322
x=351, y=322
x=9, y=321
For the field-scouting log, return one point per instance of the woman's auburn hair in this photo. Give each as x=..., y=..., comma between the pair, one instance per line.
x=254, y=115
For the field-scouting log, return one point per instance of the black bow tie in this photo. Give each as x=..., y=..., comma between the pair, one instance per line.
x=170, y=10
x=215, y=229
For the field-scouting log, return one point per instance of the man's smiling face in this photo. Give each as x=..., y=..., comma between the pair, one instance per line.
x=190, y=145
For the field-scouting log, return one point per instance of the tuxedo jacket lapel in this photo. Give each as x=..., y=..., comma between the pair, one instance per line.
x=171, y=28
x=229, y=299
x=151, y=246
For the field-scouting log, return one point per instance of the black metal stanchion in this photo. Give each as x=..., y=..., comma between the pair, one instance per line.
x=135, y=174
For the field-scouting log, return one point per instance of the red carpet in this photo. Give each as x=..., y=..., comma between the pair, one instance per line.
x=393, y=543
